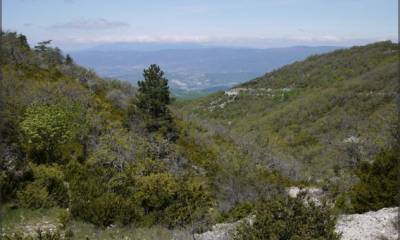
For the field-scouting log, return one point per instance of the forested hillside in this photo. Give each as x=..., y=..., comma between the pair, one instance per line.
x=86, y=158
x=110, y=153
x=313, y=119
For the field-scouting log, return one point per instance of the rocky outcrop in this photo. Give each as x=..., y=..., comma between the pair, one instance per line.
x=315, y=195
x=383, y=224
x=222, y=231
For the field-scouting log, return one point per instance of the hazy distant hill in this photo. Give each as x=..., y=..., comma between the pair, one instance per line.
x=191, y=66
x=314, y=116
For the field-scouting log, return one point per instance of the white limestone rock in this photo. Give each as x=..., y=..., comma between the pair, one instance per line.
x=382, y=224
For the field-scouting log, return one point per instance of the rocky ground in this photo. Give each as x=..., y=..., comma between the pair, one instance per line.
x=383, y=225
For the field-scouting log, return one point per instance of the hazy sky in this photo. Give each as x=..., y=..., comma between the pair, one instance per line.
x=255, y=23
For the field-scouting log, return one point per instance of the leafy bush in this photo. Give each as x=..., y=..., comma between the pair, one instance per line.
x=143, y=194
x=379, y=183
x=239, y=211
x=46, y=190
x=290, y=219
x=47, y=127
x=191, y=206
x=34, y=195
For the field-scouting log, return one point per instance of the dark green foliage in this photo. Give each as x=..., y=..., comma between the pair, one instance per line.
x=69, y=60
x=43, y=46
x=379, y=183
x=289, y=219
x=46, y=190
x=152, y=101
x=89, y=198
x=238, y=212
x=103, y=197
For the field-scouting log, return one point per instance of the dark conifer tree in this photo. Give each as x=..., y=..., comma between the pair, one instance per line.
x=69, y=60
x=153, y=99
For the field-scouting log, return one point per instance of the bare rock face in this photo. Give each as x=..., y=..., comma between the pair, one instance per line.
x=383, y=224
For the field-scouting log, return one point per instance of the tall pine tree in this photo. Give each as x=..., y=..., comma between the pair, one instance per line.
x=152, y=101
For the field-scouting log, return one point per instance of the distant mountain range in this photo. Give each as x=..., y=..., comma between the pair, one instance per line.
x=191, y=67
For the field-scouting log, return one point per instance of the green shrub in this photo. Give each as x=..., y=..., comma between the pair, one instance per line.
x=95, y=200
x=34, y=195
x=239, y=211
x=191, y=206
x=290, y=219
x=143, y=194
x=46, y=190
x=379, y=183
x=46, y=128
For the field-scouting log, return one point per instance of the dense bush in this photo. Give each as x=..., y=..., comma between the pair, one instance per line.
x=46, y=190
x=379, y=183
x=238, y=212
x=290, y=219
x=191, y=206
x=46, y=128
x=103, y=196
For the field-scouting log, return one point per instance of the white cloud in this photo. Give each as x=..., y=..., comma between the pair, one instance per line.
x=139, y=39
x=90, y=24
x=229, y=41
x=300, y=37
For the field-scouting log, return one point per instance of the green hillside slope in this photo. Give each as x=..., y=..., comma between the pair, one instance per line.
x=311, y=118
x=78, y=145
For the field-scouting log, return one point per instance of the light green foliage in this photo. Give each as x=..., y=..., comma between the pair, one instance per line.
x=45, y=128
x=290, y=219
x=156, y=191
